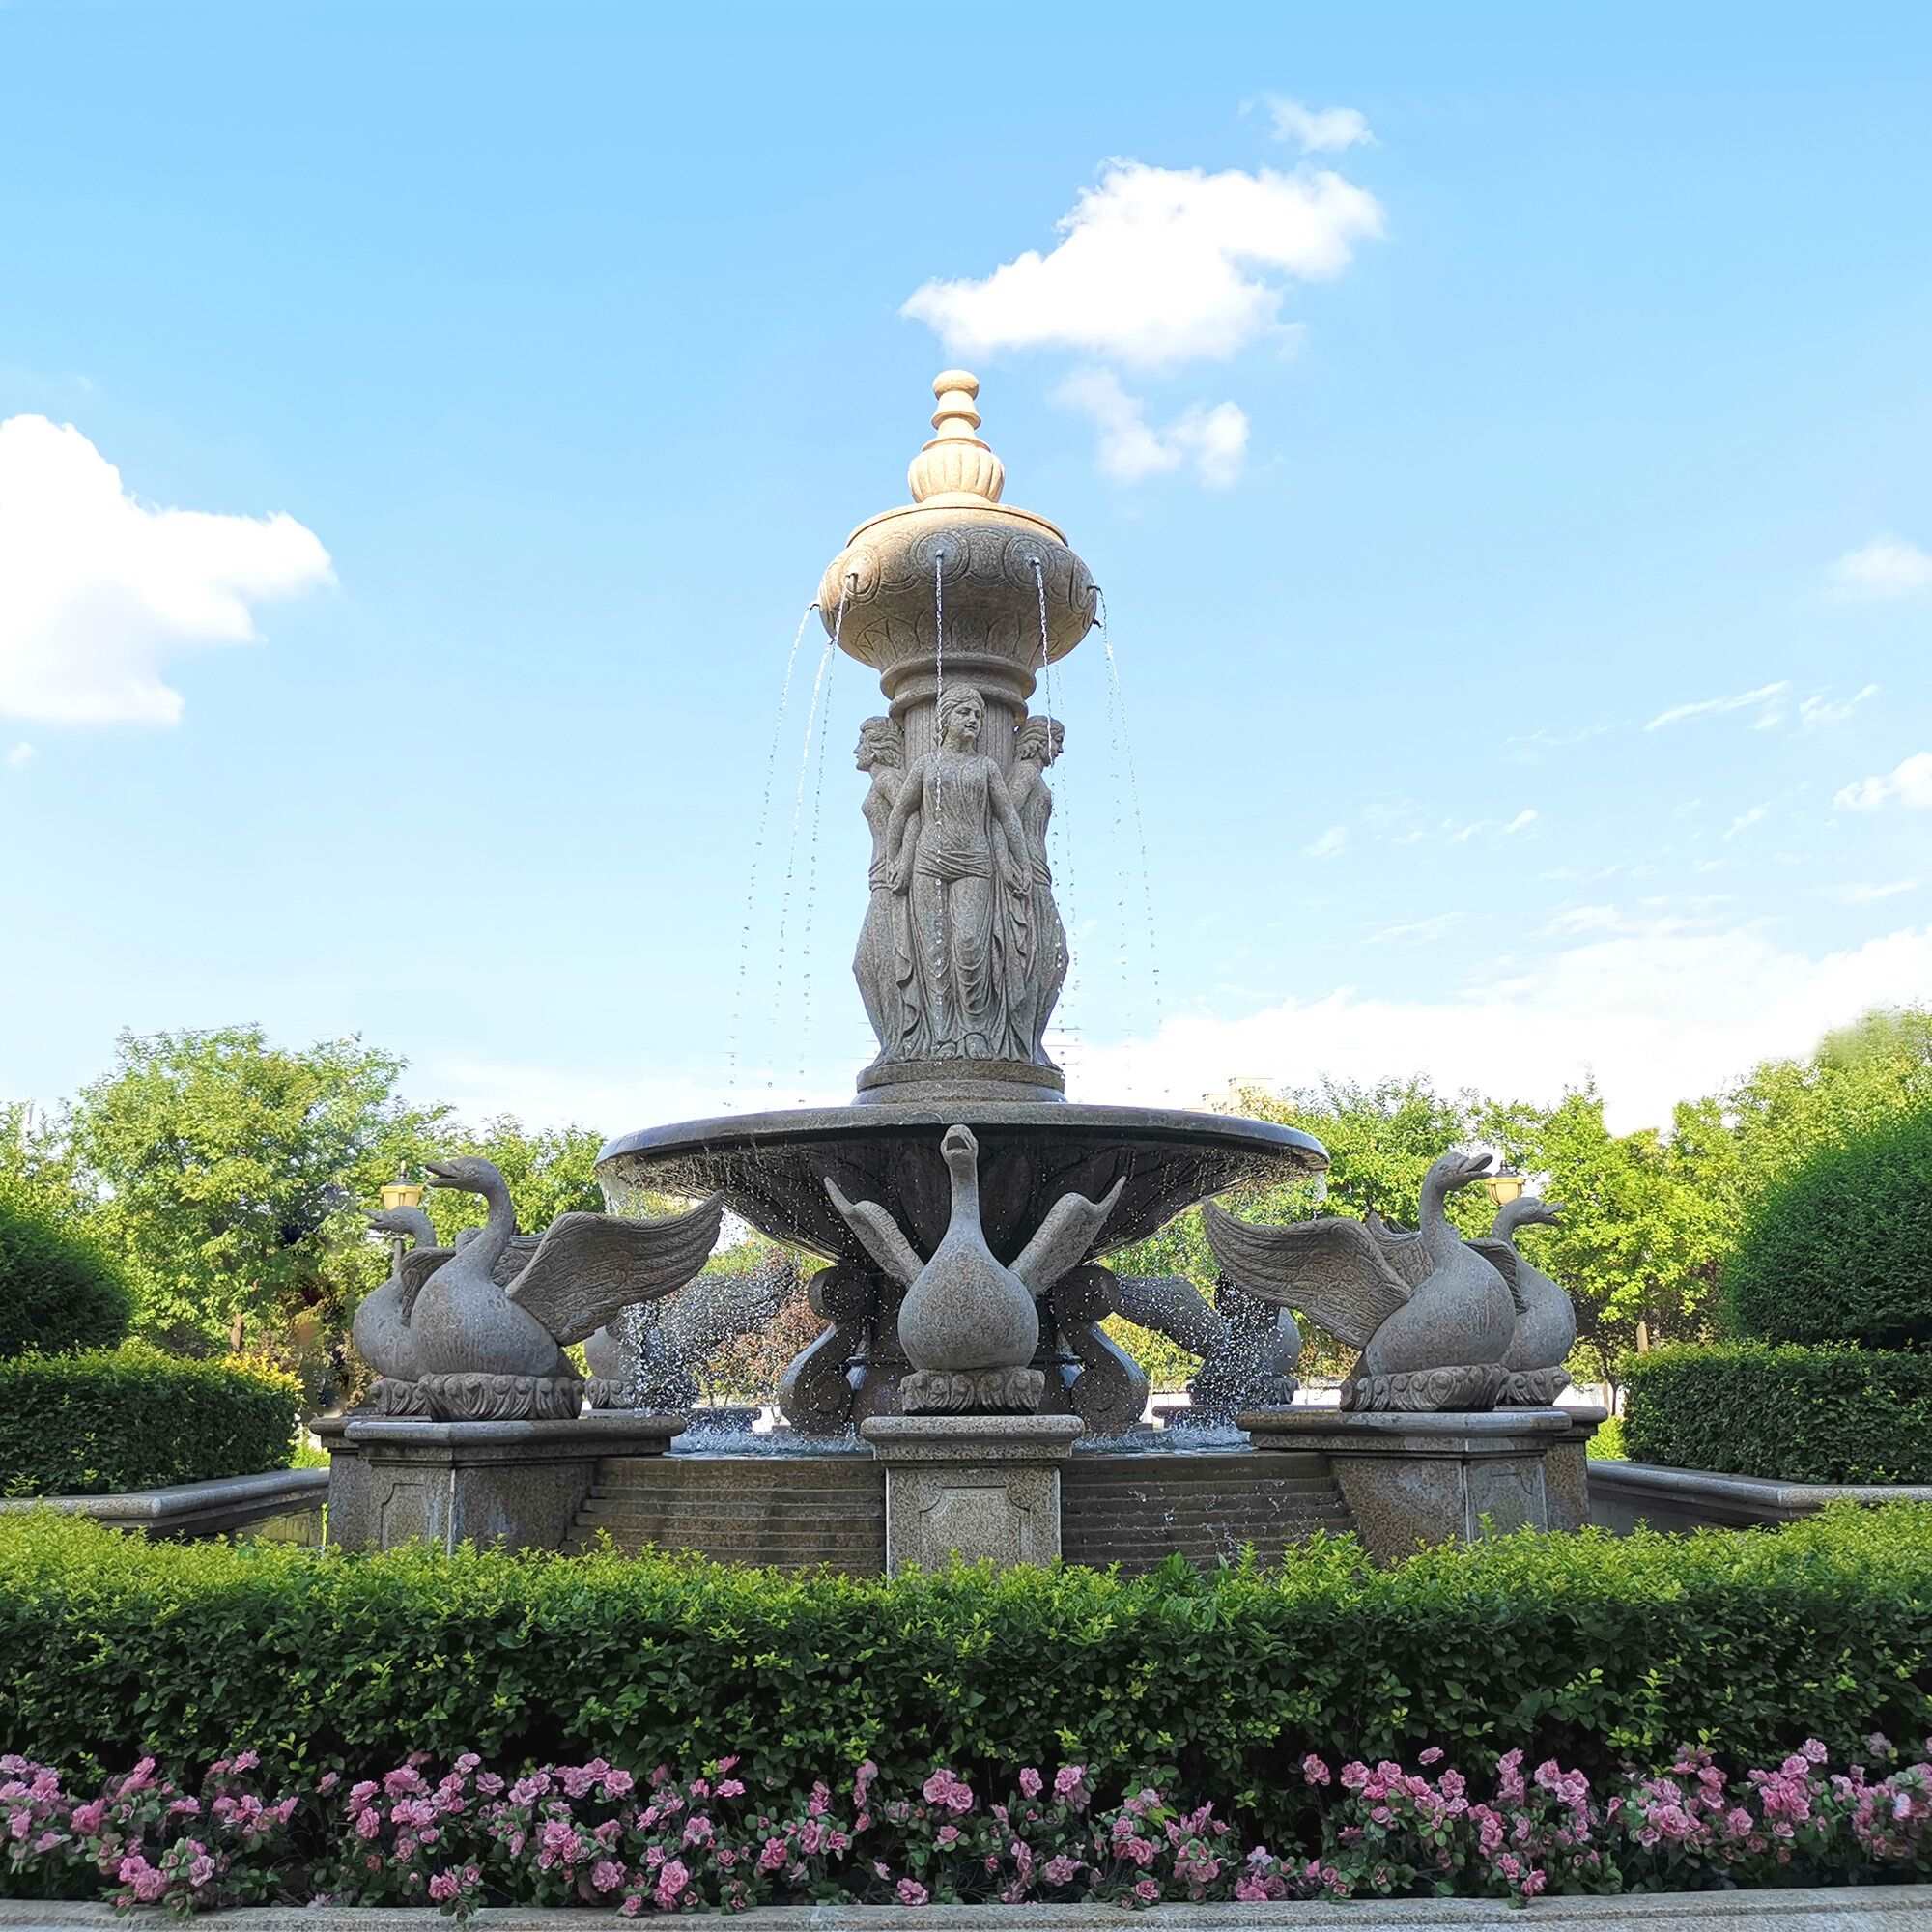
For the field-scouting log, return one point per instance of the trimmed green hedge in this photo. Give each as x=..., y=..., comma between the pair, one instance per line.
x=58, y=1292
x=1801, y=1415
x=1592, y=1648
x=135, y=1419
x=1841, y=1250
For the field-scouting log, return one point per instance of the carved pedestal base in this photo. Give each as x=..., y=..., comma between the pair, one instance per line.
x=474, y=1397
x=608, y=1392
x=1420, y=1478
x=392, y=1396
x=517, y=1483
x=1533, y=1388
x=974, y=1391
x=1465, y=1390
x=982, y=1488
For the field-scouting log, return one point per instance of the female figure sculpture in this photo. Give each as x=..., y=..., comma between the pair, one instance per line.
x=1040, y=744
x=882, y=965
x=969, y=878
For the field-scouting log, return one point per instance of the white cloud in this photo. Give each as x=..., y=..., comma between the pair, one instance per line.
x=1530, y=745
x=1908, y=783
x=1768, y=699
x=98, y=589
x=1161, y=265
x=1329, y=845
x=1745, y=820
x=1657, y=1016
x=1572, y=921
x=1318, y=130
x=1213, y=441
x=1522, y=821
x=1870, y=894
x=1818, y=711
x=1886, y=567
x=1415, y=929
x=19, y=754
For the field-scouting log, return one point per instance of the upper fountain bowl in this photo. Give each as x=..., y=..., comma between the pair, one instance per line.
x=772, y=1168
x=1009, y=593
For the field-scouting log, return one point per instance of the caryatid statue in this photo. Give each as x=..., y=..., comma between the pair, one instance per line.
x=960, y=604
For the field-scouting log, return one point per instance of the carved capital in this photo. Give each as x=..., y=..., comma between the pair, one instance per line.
x=478, y=1397
x=955, y=1392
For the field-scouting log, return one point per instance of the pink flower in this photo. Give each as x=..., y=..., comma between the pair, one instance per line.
x=1313, y=1770
x=730, y=1788
x=1059, y=1871
x=443, y=1886
x=911, y=1891
x=1251, y=1890
x=673, y=1878
x=1354, y=1776
x=1069, y=1779
x=1146, y=1891
x=607, y=1875
x=1031, y=1781
x=1432, y=1755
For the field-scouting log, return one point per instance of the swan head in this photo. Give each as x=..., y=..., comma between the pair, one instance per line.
x=1456, y=1169
x=463, y=1174
x=395, y=1221
x=1533, y=1213
x=960, y=1152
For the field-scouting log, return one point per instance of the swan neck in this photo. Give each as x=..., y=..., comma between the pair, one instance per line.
x=1441, y=1239
x=487, y=1249
x=965, y=1191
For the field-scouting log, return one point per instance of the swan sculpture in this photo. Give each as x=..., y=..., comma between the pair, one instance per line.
x=968, y=1325
x=380, y=1326
x=1433, y=1315
x=1546, y=1331
x=493, y=1350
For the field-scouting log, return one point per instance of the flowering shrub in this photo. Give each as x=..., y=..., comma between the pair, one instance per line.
x=1208, y=1684
x=598, y=1835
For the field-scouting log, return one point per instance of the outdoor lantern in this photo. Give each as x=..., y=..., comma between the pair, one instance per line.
x=1503, y=1188
x=400, y=1194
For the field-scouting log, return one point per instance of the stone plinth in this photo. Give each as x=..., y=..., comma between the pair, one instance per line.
x=349, y=1524
x=984, y=1487
x=517, y=1483
x=1425, y=1477
x=1566, y=1471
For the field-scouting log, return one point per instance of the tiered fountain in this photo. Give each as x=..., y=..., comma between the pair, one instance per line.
x=965, y=1204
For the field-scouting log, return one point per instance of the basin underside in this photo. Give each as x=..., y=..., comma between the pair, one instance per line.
x=772, y=1168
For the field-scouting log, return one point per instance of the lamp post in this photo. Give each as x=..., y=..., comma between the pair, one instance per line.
x=1503, y=1188
x=399, y=1193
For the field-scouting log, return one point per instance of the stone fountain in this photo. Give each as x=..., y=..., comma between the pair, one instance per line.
x=966, y=1206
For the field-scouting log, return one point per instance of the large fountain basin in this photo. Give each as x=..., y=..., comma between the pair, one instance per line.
x=772, y=1168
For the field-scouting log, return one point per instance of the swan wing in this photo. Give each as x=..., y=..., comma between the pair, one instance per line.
x=515, y=1259
x=1405, y=1252
x=1502, y=1256
x=879, y=1235
x=1171, y=1306
x=1333, y=1270
x=589, y=1268
x=418, y=1264
x=1065, y=1238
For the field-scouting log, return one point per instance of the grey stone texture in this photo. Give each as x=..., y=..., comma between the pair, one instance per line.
x=490, y=1352
x=1412, y=1479
x=223, y=1506
x=1623, y=1494
x=517, y=1483
x=1433, y=1315
x=1546, y=1323
x=1566, y=1469
x=984, y=1487
x=1901, y=1908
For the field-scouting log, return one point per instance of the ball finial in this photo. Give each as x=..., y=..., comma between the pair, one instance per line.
x=956, y=465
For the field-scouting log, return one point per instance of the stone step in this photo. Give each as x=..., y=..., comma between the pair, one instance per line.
x=809, y=1508
x=745, y=1472
x=1076, y=1508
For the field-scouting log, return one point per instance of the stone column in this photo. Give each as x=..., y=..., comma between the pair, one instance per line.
x=348, y=1525
x=517, y=1483
x=1566, y=1471
x=978, y=1487
x=1419, y=1477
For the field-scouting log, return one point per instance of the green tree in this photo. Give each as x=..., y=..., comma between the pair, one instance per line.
x=230, y=1176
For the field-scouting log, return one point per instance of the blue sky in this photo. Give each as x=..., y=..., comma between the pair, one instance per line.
x=1484, y=389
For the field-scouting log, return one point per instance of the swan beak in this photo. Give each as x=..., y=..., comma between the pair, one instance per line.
x=440, y=1174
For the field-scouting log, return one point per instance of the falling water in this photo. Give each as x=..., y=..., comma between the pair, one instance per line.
x=757, y=853
x=811, y=723
x=1118, y=701
x=812, y=869
x=938, y=634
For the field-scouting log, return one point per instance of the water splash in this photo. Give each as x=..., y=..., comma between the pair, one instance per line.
x=732, y=1037
x=1059, y=833
x=811, y=723
x=1118, y=701
x=812, y=872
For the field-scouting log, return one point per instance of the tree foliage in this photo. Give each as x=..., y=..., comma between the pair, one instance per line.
x=58, y=1292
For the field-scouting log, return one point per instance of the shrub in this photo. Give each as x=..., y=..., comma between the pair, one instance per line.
x=1841, y=1249
x=1215, y=1683
x=1607, y=1445
x=58, y=1292
x=1798, y=1416
x=135, y=1419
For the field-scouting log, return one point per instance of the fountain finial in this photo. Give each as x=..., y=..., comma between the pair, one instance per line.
x=957, y=466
